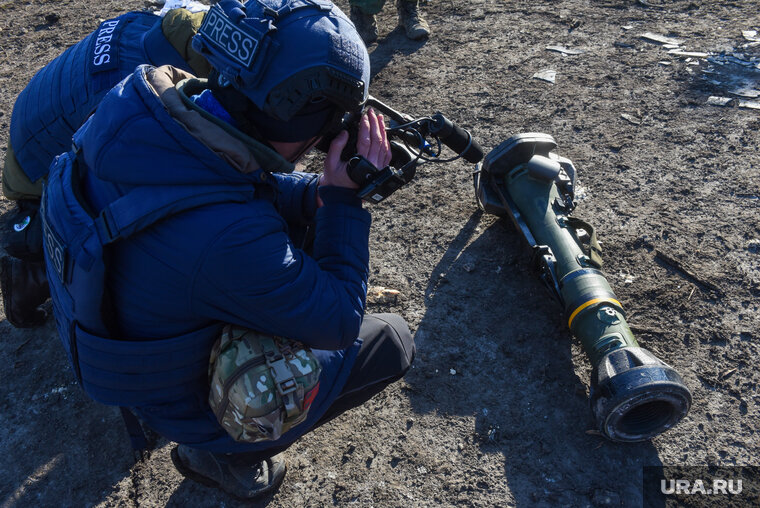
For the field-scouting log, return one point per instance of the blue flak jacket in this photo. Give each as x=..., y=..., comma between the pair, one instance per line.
x=61, y=95
x=154, y=238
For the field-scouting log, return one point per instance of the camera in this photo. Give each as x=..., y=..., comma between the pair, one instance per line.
x=412, y=141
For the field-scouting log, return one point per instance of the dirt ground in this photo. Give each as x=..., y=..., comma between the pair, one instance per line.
x=495, y=411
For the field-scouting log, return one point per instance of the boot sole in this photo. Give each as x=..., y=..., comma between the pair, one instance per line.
x=205, y=480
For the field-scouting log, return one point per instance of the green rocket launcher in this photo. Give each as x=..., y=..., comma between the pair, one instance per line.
x=634, y=396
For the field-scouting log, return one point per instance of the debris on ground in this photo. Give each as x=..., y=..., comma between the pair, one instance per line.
x=380, y=294
x=564, y=51
x=752, y=37
x=746, y=92
x=547, y=75
x=190, y=5
x=630, y=118
x=718, y=101
x=660, y=39
x=688, y=54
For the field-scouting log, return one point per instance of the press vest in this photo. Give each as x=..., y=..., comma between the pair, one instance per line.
x=162, y=380
x=64, y=92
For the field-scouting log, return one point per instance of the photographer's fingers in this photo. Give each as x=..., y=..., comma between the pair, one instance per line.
x=335, y=169
x=386, y=147
x=364, y=136
x=376, y=130
x=372, y=139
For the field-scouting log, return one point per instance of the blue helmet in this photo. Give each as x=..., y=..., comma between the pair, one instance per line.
x=286, y=56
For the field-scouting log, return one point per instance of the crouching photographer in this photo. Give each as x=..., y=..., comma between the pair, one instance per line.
x=178, y=291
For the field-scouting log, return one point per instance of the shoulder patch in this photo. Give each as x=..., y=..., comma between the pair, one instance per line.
x=238, y=44
x=104, y=53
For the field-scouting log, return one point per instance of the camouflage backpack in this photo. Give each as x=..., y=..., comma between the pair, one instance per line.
x=261, y=385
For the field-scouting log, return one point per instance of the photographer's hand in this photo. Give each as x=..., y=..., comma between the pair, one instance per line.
x=372, y=144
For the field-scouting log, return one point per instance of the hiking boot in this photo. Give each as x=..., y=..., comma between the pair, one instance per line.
x=25, y=287
x=230, y=473
x=409, y=17
x=366, y=24
x=24, y=238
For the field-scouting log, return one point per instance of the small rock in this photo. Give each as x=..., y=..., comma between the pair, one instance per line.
x=52, y=18
x=754, y=245
x=453, y=372
x=380, y=294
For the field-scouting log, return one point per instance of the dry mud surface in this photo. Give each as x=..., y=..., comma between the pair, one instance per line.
x=669, y=180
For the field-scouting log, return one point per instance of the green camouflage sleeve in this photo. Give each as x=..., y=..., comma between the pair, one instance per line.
x=16, y=185
x=179, y=26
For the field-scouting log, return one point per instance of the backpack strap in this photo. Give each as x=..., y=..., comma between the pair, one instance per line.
x=144, y=206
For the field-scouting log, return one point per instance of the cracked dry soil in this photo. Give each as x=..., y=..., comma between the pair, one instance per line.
x=670, y=181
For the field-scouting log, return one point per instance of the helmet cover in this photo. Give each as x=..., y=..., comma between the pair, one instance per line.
x=286, y=55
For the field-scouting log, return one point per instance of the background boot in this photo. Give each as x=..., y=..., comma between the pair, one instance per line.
x=231, y=473
x=25, y=288
x=366, y=24
x=409, y=17
x=22, y=235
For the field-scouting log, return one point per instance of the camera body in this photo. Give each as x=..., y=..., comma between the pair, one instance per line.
x=376, y=184
x=412, y=141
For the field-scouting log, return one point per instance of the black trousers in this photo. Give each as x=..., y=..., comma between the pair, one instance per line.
x=387, y=352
